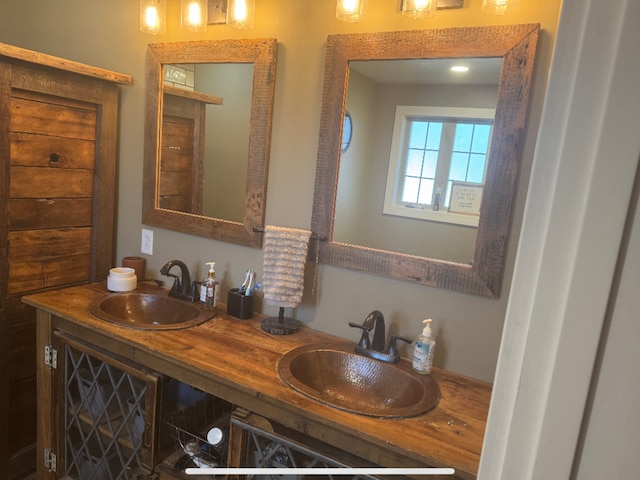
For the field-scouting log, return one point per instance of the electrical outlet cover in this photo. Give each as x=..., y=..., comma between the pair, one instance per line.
x=147, y=242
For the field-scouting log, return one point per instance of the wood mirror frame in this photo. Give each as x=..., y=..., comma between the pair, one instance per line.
x=516, y=45
x=260, y=52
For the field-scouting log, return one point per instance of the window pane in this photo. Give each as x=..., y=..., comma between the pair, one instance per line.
x=435, y=132
x=410, y=190
x=426, y=192
x=430, y=164
x=481, y=138
x=458, y=169
x=476, y=168
x=462, y=139
x=414, y=163
x=418, y=134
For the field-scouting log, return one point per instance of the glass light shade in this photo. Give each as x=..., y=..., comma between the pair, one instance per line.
x=351, y=10
x=419, y=8
x=241, y=13
x=153, y=16
x=500, y=7
x=193, y=15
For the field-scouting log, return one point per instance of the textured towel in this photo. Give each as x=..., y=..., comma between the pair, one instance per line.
x=285, y=253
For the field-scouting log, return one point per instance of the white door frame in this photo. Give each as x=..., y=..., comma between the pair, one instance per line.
x=583, y=171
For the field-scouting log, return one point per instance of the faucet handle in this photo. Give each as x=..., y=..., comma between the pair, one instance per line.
x=176, y=281
x=364, y=340
x=392, y=349
x=363, y=326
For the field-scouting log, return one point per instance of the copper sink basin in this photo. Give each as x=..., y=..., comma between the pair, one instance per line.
x=339, y=377
x=149, y=312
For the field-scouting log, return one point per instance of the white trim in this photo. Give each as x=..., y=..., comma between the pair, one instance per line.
x=584, y=166
x=426, y=213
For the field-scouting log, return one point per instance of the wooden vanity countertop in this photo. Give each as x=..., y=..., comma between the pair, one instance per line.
x=235, y=360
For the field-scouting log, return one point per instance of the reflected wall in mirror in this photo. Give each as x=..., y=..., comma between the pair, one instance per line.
x=207, y=139
x=451, y=114
x=470, y=258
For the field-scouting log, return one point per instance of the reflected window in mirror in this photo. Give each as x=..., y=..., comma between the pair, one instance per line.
x=431, y=148
x=346, y=131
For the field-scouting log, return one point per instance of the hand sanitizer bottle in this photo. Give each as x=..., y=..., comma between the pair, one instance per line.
x=209, y=288
x=423, y=350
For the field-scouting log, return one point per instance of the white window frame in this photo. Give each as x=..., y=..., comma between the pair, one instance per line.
x=397, y=158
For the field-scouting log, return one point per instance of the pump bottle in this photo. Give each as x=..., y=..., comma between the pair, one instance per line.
x=209, y=291
x=424, y=350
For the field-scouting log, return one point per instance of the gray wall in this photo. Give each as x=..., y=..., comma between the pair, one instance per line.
x=106, y=34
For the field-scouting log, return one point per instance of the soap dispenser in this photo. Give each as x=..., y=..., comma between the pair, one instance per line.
x=209, y=291
x=423, y=350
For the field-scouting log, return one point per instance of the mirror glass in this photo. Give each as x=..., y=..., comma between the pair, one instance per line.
x=213, y=186
x=452, y=233
x=375, y=90
x=207, y=137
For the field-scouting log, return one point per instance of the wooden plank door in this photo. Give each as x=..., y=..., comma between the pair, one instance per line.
x=52, y=168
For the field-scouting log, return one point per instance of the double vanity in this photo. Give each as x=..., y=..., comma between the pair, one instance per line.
x=261, y=375
x=307, y=387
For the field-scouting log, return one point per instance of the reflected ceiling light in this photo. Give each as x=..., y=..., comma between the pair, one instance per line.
x=500, y=7
x=153, y=16
x=419, y=8
x=194, y=15
x=240, y=13
x=351, y=10
x=459, y=68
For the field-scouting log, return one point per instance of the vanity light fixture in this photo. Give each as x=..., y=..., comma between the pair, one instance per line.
x=193, y=15
x=419, y=8
x=241, y=13
x=351, y=10
x=153, y=16
x=500, y=7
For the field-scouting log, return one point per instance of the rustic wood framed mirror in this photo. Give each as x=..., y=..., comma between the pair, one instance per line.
x=220, y=171
x=514, y=47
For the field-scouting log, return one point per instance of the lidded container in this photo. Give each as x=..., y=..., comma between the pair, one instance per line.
x=121, y=279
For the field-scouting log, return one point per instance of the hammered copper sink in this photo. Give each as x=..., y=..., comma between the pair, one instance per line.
x=149, y=312
x=339, y=377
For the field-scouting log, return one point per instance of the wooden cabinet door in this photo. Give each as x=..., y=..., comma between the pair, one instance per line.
x=107, y=410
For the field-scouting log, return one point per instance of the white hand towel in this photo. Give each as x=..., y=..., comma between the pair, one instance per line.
x=285, y=254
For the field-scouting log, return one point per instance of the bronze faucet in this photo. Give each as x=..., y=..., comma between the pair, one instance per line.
x=375, y=349
x=182, y=287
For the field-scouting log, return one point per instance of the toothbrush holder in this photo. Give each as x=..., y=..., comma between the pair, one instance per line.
x=239, y=305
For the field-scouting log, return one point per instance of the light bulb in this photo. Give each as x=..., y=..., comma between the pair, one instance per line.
x=152, y=16
x=500, y=7
x=419, y=8
x=351, y=10
x=240, y=13
x=194, y=15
